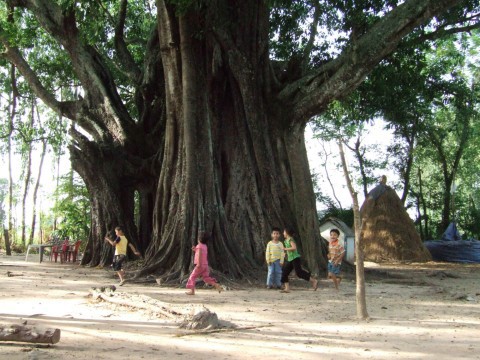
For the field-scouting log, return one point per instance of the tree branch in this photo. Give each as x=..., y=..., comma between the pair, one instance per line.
x=102, y=101
x=126, y=59
x=311, y=94
x=437, y=143
x=440, y=33
x=66, y=108
x=328, y=176
x=313, y=33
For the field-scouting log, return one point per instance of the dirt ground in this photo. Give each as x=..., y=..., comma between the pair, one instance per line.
x=418, y=311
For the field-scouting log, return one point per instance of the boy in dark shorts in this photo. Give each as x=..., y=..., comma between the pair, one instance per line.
x=120, y=244
x=335, y=255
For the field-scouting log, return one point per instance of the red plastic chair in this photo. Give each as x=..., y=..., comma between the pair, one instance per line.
x=60, y=250
x=73, y=251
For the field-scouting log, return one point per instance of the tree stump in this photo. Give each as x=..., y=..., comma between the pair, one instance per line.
x=23, y=333
x=202, y=320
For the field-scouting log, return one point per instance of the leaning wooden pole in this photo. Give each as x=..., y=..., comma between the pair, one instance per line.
x=30, y=334
x=360, y=271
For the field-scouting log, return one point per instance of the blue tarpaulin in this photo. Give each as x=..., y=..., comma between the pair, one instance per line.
x=451, y=234
x=453, y=249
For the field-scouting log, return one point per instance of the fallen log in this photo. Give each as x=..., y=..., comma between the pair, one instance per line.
x=30, y=334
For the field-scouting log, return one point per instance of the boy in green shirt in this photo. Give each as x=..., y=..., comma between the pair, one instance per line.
x=293, y=262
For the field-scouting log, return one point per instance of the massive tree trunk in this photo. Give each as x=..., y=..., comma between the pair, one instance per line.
x=230, y=167
x=112, y=196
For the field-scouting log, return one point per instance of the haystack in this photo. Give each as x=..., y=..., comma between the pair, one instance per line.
x=388, y=233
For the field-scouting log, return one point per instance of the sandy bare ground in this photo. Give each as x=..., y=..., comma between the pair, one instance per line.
x=417, y=312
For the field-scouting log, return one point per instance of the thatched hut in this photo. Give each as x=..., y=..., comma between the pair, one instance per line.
x=388, y=233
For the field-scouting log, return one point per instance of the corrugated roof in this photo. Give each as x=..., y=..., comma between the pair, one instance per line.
x=340, y=225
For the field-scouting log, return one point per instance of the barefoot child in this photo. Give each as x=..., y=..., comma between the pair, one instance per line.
x=293, y=262
x=201, y=266
x=335, y=256
x=274, y=255
x=120, y=244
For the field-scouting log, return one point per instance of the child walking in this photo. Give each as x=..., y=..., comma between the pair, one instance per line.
x=120, y=244
x=201, y=266
x=335, y=255
x=293, y=262
x=274, y=255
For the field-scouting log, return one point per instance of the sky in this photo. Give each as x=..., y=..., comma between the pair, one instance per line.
x=375, y=134
x=47, y=183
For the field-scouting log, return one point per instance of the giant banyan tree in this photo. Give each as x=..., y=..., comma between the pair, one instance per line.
x=196, y=109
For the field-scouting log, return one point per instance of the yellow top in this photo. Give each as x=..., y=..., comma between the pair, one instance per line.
x=274, y=252
x=121, y=246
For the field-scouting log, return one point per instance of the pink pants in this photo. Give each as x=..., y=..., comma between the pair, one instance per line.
x=204, y=273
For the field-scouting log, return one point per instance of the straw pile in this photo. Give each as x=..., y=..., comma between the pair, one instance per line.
x=388, y=233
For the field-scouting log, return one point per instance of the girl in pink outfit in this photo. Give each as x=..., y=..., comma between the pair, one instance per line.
x=201, y=266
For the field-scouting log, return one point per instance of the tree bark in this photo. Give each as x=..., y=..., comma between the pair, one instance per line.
x=111, y=198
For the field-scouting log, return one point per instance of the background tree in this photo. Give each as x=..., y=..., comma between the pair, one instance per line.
x=43, y=152
x=25, y=130
x=3, y=200
x=446, y=131
x=22, y=145
x=72, y=209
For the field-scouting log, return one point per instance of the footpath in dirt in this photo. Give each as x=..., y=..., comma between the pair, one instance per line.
x=417, y=311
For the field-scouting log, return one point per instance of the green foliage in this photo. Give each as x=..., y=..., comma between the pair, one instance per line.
x=338, y=22
x=346, y=215
x=429, y=97
x=72, y=208
x=183, y=6
x=286, y=20
x=18, y=248
x=445, y=124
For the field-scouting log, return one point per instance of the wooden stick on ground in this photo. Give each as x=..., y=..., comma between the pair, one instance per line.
x=23, y=333
x=211, y=331
x=153, y=306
